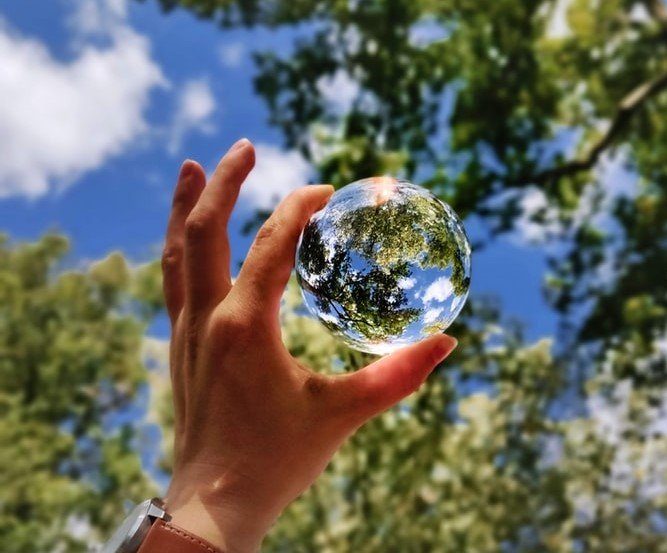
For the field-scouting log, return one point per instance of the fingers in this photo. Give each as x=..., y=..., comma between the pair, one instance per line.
x=267, y=267
x=207, y=254
x=191, y=182
x=385, y=382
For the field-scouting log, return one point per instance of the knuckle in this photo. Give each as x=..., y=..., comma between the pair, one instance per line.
x=197, y=225
x=172, y=256
x=234, y=327
x=266, y=233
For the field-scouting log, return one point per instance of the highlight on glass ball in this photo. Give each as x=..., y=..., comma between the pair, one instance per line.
x=384, y=264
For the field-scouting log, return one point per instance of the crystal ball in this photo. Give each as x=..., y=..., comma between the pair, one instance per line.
x=384, y=264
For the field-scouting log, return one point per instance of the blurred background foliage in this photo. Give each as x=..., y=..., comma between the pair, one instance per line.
x=559, y=445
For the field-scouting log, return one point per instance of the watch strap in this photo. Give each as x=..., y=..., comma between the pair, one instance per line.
x=165, y=537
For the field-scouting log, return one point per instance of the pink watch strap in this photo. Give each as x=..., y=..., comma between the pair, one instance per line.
x=164, y=537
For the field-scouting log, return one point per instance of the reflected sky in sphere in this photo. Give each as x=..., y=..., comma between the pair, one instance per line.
x=384, y=264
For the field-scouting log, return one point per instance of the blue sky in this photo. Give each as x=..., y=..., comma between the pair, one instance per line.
x=101, y=100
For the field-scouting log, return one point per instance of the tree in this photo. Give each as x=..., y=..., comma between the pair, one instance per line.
x=512, y=447
x=487, y=103
x=70, y=369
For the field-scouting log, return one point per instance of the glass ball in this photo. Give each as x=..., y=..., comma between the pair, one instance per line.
x=384, y=264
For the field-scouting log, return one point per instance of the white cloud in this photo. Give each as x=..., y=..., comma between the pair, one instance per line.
x=338, y=90
x=458, y=300
x=231, y=55
x=60, y=119
x=406, y=283
x=432, y=315
x=95, y=17
x=195, y=105
x=276, y=174
x=439, y=290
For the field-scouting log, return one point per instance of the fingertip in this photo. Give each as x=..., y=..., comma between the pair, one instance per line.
x=390, y=379
x=240, y=144
x=231, y=171
x=442, y=346
x=189, y=185
x=190, y=167
x=416, y=362
x=322, y=193
x=249, y=152
x=186, y=168
x=326, y=188
x=241, y=157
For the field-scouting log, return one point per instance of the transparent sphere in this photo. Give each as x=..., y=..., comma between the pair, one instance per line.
x=384, y=264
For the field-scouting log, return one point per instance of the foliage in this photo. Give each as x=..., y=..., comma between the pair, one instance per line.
x=70, y=366
x=511, y=119
x=515, y=446
x=474, y=463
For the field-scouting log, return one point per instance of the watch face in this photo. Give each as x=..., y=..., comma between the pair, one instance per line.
x=128, y=536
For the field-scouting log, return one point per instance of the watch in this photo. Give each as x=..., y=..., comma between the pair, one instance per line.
x=147, y=529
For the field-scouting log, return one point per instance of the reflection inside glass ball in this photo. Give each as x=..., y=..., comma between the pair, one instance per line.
x=384, y=264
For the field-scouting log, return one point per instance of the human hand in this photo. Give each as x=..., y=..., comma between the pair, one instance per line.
x=253, y=427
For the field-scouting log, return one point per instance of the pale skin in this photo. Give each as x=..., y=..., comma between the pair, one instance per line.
x=254, y=427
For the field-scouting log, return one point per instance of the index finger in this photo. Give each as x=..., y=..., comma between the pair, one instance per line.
x=207, y=253
x=267, y=268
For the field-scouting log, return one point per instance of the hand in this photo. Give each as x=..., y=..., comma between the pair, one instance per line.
x=253, y=427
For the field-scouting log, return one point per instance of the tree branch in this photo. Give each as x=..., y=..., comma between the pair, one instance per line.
x=627, y=108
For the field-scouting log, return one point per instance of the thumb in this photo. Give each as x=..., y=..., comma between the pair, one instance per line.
x=387, y=381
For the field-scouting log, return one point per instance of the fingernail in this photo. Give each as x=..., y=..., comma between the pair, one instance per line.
x=329, y=190
x=239, y=144
x=186, y=167
x=443, y=346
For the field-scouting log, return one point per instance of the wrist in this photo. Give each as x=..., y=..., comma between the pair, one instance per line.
x=222, y=512
x=225, y=528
